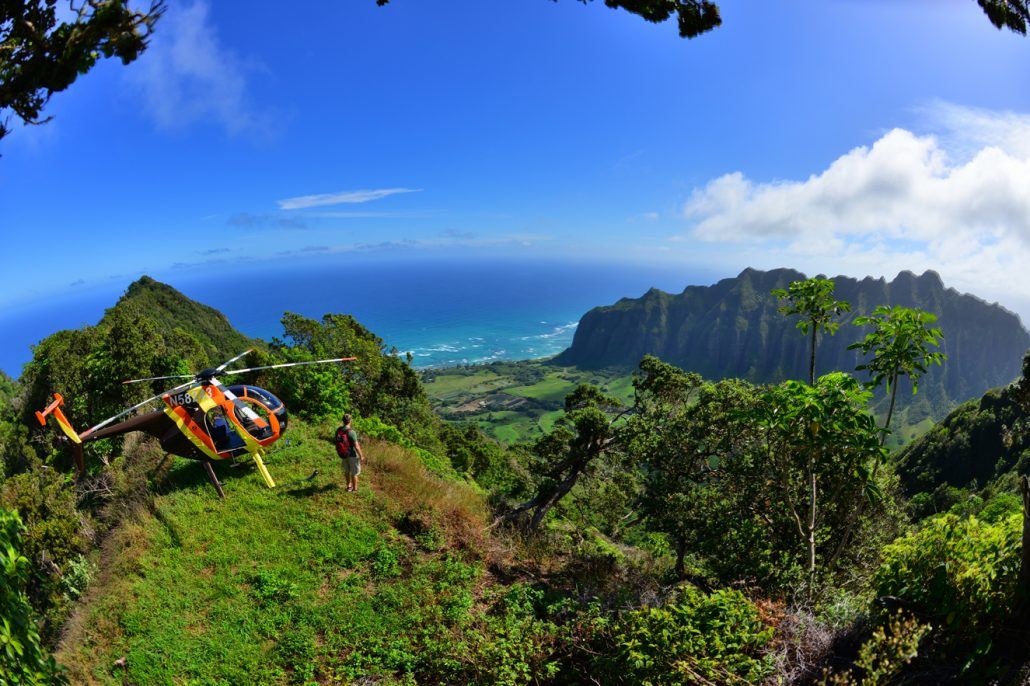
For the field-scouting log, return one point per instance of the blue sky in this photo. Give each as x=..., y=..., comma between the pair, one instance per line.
x=836, y=136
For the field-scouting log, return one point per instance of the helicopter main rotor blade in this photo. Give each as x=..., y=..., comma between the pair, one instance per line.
x=226, y=364
x=159, y=378
x=135, y=407
x=289, y=364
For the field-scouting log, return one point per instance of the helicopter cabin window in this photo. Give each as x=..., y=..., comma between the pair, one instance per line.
x=222, y=434
x=254, y=419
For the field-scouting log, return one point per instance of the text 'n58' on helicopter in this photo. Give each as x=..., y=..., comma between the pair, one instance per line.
x=202, y=419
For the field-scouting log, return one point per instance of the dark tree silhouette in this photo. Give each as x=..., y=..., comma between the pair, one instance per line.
x=40, y=55
x=1007, y=14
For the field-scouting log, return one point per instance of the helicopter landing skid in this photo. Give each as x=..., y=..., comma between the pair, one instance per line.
x=214, y=479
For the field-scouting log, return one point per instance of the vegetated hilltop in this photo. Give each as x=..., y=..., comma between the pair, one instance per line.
x=979, y=444
x=171, y=310
x=732, y=329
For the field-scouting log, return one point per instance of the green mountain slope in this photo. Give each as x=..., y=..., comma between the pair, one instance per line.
x=171, y=311
x=733, y=329
x=979, y=442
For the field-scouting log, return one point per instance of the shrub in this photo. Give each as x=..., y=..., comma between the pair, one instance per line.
x=697, y=636
x=374, y=427
x=961, y=571
x=884, y=655
x=22, y=659
x=52, y=536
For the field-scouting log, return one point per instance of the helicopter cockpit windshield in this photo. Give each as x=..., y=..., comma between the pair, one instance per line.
x=262, y=415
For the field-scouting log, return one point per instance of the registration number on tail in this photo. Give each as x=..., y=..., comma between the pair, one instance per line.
x=183, y=398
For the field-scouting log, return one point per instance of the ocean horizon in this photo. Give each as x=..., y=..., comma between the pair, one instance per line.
x=442, y=312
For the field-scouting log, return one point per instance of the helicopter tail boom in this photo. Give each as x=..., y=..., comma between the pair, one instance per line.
x=54, y=410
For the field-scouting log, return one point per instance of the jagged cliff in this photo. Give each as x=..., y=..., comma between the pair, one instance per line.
x=733, y=329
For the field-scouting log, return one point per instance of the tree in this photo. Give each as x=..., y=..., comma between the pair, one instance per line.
x=40, y=55
x=583, y=434
x=812, y=299
x=900, y=346
x=693, y=17
x=818, y=443
x=685, y=431
x=1023, y=612
x=1007, y=14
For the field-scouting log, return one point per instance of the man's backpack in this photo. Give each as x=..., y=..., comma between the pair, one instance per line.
x=344, y=447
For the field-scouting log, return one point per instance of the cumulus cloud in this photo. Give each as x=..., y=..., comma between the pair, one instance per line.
x=341, y=198
x=187, y=75
x=956, y=200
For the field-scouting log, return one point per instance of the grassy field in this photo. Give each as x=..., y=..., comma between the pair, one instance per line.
x=515, y=401
x=299, y=584
x=450, y=386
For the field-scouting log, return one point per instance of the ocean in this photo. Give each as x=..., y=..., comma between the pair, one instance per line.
x=444, y=312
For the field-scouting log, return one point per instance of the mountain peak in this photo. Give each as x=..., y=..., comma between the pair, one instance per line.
x=170, y=310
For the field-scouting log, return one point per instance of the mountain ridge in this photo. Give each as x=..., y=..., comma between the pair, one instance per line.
x=732, y=329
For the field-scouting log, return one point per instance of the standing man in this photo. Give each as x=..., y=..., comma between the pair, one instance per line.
x=349, y=450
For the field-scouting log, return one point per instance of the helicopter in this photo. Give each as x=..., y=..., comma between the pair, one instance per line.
x=202, y=419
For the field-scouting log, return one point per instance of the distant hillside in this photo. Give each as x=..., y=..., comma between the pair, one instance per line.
x=733, y=329
x=978, y=442
x=169, y=309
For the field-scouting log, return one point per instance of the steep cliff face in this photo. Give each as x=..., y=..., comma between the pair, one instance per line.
x=733, y=329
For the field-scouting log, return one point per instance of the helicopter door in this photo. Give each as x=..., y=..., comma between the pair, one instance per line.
x=250, y=416
x=224, y=436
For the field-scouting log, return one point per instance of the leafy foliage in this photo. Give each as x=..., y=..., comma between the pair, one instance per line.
x=23, y=660
x=821, y=446
x=696, y=637
x=812, y=300
x=378, y=383
x=584, y=434
x=40, y=55
x=900, y=347
x=693, y=17
x=886, y=653
x=52, y=537
x=760, y=484
x=899, y=344
x=959, y=571
x=980, y=441
x=1007, y=14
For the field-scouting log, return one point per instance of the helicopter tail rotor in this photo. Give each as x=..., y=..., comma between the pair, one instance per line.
x=54, y=410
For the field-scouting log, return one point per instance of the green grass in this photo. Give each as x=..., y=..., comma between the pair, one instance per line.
x=552, y=389
x=450, y=390
x=282, y=586
x=621, y=387
x=446, y=387
x=546, y=421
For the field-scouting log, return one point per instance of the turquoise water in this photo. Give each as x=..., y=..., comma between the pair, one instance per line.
x=443, y=312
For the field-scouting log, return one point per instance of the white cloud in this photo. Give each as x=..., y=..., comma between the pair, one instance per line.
x=957, y=201
x=341, y=198
x=188, y=76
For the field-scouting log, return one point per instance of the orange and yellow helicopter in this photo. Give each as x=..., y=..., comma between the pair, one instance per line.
x=202, y=419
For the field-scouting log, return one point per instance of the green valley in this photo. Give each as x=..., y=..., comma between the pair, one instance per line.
x=515, y=401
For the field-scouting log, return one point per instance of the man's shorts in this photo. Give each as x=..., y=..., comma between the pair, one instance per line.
x=352, y=465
